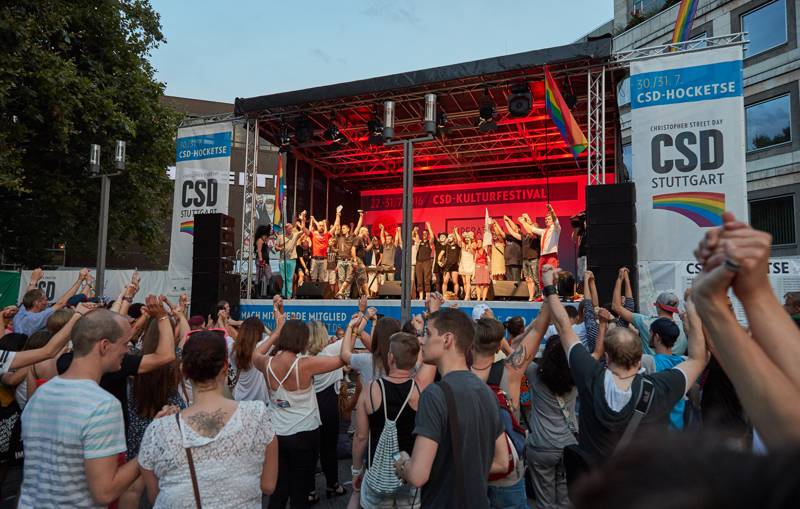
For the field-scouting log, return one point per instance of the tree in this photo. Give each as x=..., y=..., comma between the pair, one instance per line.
x=72, y=74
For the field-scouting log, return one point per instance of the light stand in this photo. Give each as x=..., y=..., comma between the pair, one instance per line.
x=408, y=188
x=105, y=193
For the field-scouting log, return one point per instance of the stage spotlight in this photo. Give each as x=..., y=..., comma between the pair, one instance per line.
x=486, y=110
x=520, y=101
x=303, y=131
x=284, y=135
x=388, y=120
x=375, y=131
x=333, y=134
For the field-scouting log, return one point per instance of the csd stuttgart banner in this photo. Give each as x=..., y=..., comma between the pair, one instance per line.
x=201, y=187
x=687, y=120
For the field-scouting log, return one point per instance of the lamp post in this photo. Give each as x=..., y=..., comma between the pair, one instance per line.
x=105, y=192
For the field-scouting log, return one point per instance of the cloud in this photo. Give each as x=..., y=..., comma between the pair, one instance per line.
x=389, y=11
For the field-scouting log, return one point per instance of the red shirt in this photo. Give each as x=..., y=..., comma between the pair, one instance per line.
x=319, y=244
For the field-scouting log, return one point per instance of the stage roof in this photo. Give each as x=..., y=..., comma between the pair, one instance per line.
x=520, y=147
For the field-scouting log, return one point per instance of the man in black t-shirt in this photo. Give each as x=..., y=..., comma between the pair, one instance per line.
x=609, y=394
x=484, y=448
x=116, y=382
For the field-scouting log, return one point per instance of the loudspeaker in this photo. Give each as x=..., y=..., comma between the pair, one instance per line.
x=506, y=290
x=312, y=290
x=213, y=236
x=390, y=290
x=208, y=288
x=212, y=265
x=611, y=241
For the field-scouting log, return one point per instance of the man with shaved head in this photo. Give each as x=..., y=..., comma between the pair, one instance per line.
x=72, y=429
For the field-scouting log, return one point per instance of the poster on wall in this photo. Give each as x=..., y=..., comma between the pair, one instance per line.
x=201, y=187
x=687, y=119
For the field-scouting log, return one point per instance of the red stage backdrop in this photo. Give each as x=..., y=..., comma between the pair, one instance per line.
x=464, y=205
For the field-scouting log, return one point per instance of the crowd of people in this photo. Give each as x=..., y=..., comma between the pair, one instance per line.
x=354, y=261
x=138, y=404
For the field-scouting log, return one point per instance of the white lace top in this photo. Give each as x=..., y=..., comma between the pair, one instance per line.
x=228, y=466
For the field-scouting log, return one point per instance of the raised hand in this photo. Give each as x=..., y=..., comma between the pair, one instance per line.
x=372, y=313
x=85, y=307
x=36, y=275
x=339, y=209
x=604, y=315
x=183, y=303
x=356, y=320
x=419, y=323
x=9, y=312
x=155, y=307
x=588, y=275
x=83, y=274
x=362, y=304
x=277, y=303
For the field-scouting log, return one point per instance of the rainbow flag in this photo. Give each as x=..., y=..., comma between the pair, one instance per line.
x=562, y=117
x=683, y=25
x=188, y=227
x=705, y=209
x=280, y=193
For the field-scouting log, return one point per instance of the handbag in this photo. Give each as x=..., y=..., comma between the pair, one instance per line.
x=192, y=473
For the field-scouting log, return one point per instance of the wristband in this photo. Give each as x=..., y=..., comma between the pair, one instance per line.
x=549, y=290
x=356, y=471
x=163, y=317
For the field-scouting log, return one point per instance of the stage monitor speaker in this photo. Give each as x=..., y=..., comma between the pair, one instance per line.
x=312, y=290
x=506, y=290
x=208, y=288
x=390, y=290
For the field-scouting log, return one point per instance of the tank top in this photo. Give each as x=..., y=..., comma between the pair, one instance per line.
x=395, y=394
x=424, y=251
x=480, y=257
x=292, y=411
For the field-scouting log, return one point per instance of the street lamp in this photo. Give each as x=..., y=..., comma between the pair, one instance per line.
x=105, y=192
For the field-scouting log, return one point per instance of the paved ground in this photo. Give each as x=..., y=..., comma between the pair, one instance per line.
x=334, y=503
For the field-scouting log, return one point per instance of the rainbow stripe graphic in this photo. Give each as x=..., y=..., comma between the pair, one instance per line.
x=705, y=209
x=188, y=227
x=683, y=25
x=562, y=117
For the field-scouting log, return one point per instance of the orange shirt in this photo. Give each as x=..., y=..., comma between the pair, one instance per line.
x=319, y=244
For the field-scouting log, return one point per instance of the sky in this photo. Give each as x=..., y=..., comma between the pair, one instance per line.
x=220, y=50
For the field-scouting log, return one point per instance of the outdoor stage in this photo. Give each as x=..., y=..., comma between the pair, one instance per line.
x=337, y=313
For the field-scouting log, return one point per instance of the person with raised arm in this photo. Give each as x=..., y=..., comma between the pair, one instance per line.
x=34, y=310
x=762, y=365
x=611, y=395
x=549, y=236
x=513, y=250
x=531, y=250
x=623, y=278
x=320, y=236
x=466, y=265
x=346, y=254
x=286, y=245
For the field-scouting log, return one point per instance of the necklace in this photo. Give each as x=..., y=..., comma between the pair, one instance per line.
x=484, y=368
x=623, y=377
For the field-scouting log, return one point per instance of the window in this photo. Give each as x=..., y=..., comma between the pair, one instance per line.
x=776, y=216
x=627, y=158
x=765, y=27
x=768, y=123
x=624, y=92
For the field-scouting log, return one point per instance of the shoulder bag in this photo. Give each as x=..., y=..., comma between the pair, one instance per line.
x=192, y=473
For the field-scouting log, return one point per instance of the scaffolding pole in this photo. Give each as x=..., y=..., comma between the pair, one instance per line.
x=248, y=207
x=596, y=127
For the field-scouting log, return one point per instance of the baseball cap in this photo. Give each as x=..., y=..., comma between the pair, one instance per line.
x=666, y=329
x=668, y=301
x=478, y=311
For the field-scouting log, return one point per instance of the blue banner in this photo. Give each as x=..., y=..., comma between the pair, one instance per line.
x=205, y=146
x=339, y=313
x=687, y=84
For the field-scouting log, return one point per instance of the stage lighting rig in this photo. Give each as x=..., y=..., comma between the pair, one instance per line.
x=303, y=131
x=388, y=120
x=332, y=133
x=520, y=101
x=285, y=140
x=486, y=110
x=429, y=121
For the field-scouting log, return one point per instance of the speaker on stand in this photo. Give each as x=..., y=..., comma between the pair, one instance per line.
x=213, y=279
x=611, y=240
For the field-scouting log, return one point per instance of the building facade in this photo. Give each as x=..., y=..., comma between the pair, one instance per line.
x=772, y=95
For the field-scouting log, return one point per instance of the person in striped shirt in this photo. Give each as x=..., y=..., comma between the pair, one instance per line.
x=73, y=430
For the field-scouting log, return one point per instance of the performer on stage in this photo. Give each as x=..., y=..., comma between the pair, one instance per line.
x=346, y=253
x=388, y=254
x=466, y=265
x=513, y=250
x=450, y=258
x=424, y=268
x=549, y=236
x=319, y=245
x=303, y=254
x=498, y=251
x=529, y=244
x=263, y=270
x=286, y=246
x=481, y=277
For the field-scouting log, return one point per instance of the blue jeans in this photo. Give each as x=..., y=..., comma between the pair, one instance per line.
x=509, y=497
x=287, y=273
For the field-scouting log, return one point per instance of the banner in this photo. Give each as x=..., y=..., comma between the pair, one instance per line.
x=677, y=276
x=201, y=187
x=687, y=123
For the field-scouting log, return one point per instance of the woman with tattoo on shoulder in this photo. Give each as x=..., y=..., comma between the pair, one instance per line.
x=218, y=452
x=295, y=412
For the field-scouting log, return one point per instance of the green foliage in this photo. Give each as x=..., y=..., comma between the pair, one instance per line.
x=74, y=73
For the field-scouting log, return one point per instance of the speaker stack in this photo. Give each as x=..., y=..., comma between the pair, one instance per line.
x=213, y=279
x=508, y=290
x=611, y=229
